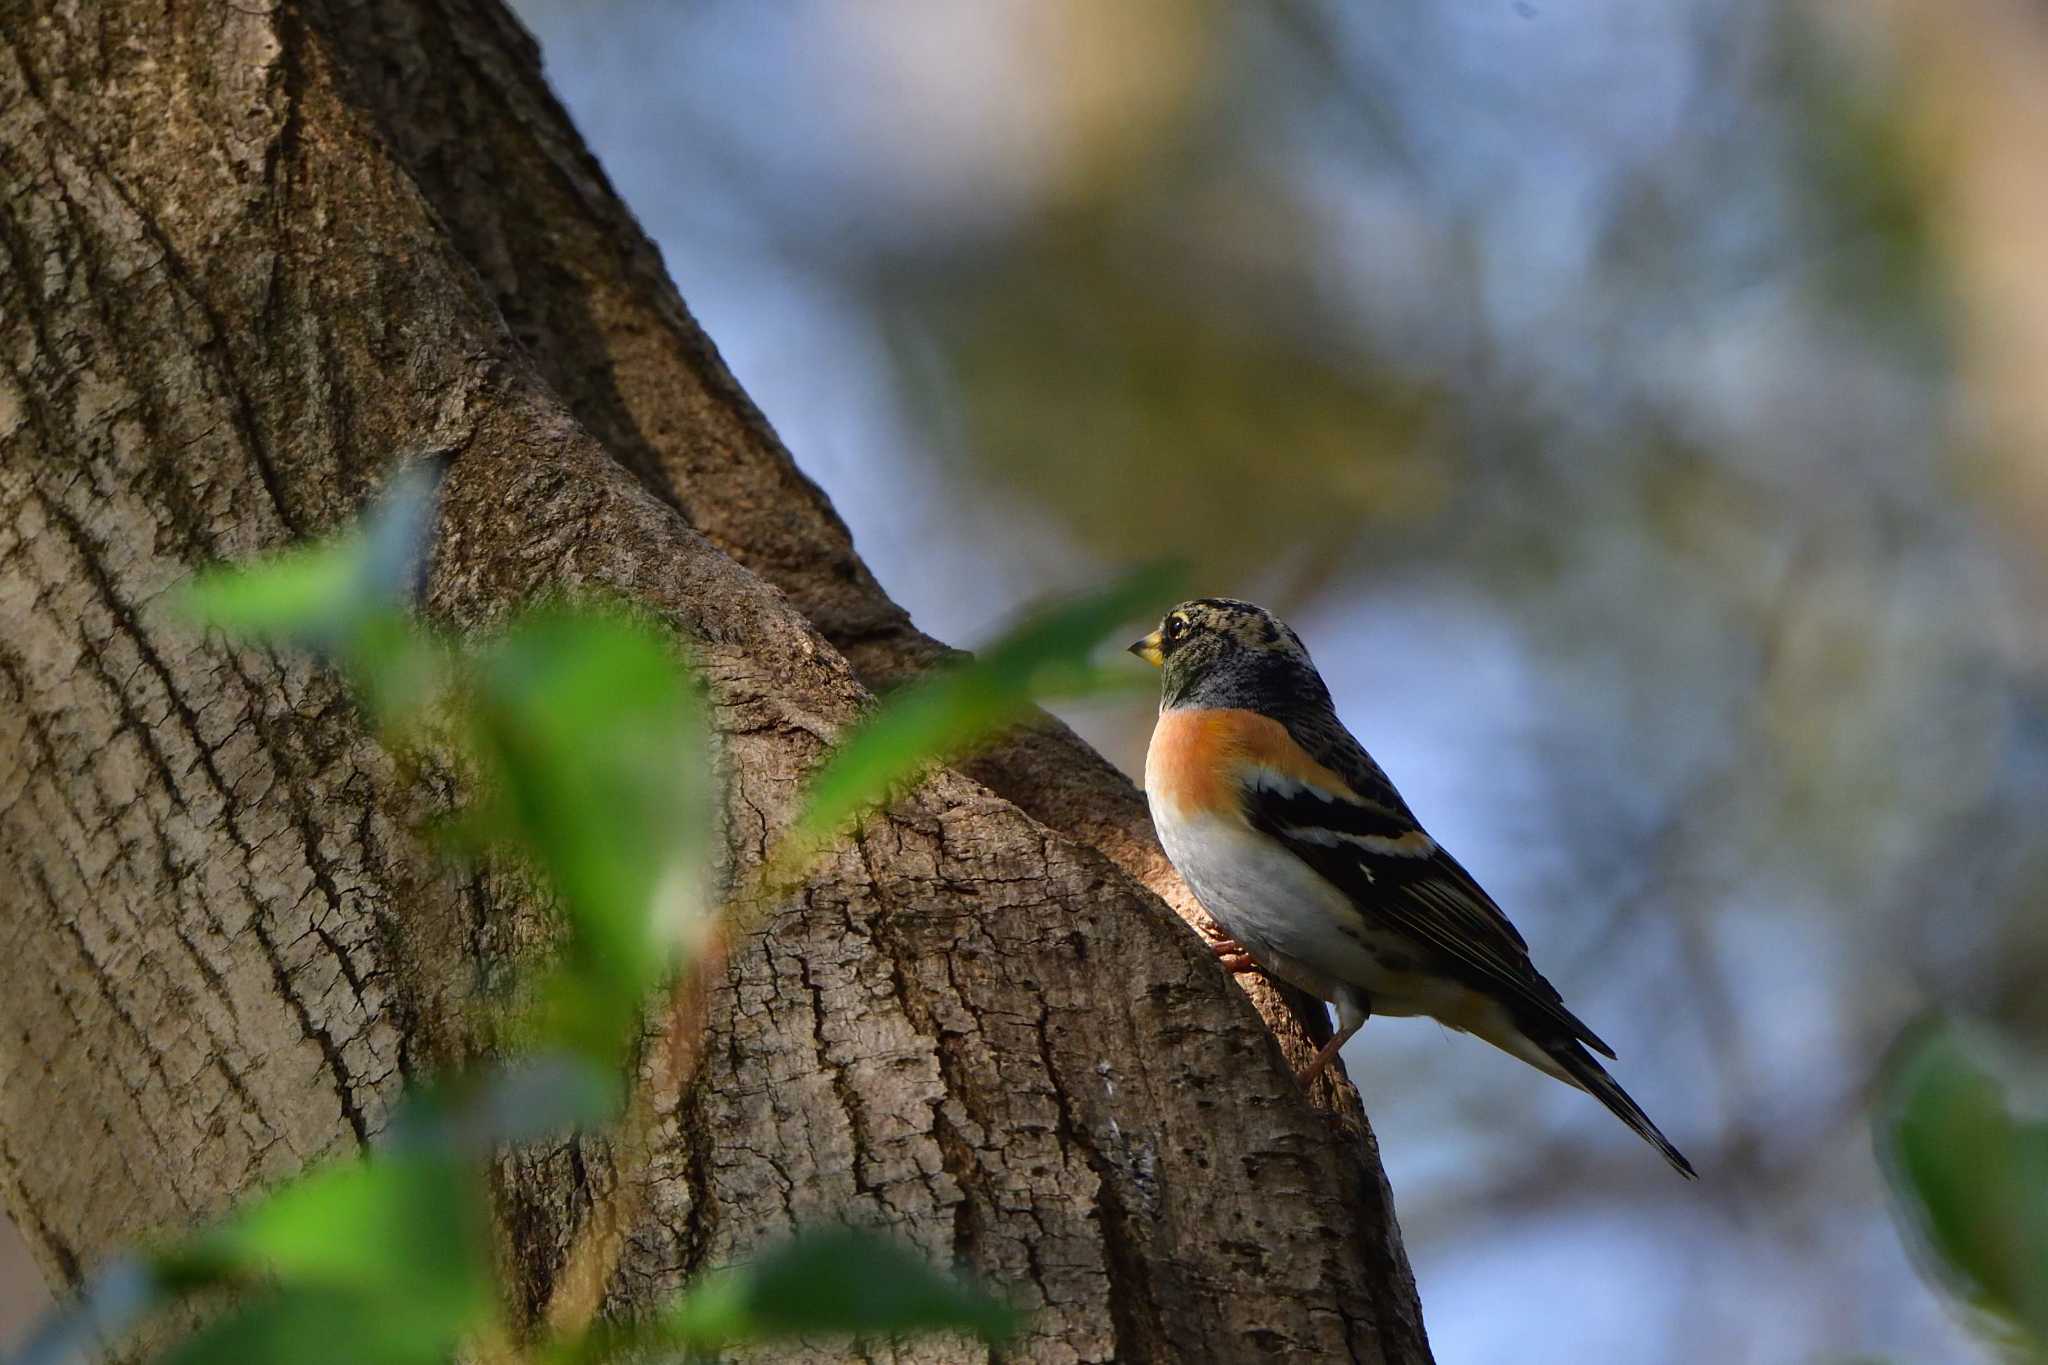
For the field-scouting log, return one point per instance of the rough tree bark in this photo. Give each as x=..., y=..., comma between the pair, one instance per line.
x=253, y=256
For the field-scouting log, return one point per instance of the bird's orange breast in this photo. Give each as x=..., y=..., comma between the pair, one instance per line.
x=1198, y=756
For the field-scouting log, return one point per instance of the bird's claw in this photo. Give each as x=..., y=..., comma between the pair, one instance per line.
x=1232, y=955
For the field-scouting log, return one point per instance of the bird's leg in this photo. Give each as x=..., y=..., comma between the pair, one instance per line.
x=1353, y=1009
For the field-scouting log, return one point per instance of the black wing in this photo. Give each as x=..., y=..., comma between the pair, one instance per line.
x=1395, y=874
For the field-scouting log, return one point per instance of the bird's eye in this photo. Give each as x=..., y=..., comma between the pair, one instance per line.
x=1175, y=628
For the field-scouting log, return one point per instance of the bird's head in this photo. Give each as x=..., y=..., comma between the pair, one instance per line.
x=1214, y=646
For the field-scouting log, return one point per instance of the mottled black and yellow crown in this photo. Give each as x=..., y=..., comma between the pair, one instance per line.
x=1219, y=651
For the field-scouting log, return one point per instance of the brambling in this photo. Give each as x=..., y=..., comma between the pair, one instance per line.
x=1307, y=858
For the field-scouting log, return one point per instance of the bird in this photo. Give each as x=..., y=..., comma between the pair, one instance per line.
x=1314, y=868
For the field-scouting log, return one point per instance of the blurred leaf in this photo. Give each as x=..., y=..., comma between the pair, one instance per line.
x=1871, y=202
x=582, y=1007
x=398, y=670
x=1168, y=376
x=311, y=595
x=322, y=595
x=397, y=531
x=834, y=1280
x=409, y=1230
x=345, y=599
x=385, y=1259
x=518, y=1101
x=313, y=1327
x=594, y=746
x=1970, y=1175
x=116, y=1297
x=952, y=708
x=536, y=1097
x=831, y=1282
x=377, y=1260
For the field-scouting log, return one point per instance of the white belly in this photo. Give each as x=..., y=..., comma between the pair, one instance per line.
x=1304, y=929
x=1297, y=924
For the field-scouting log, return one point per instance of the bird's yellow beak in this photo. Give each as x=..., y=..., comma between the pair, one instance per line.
x=1148, y=649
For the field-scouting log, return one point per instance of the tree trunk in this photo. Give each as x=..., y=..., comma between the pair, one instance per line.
x=255, y=257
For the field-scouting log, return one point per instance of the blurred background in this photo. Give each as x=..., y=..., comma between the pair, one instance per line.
x=1639, y=409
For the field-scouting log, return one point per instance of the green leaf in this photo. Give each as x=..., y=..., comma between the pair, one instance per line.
x=314, y=594
x=345, y=599
x=399, y=671
x=592, y=741
x=1047, y=655
x=1969, y=1173
x=315, y=1327
x=830, y=1282
x=322, y=595
x=408, y=1231
x=384, y=1259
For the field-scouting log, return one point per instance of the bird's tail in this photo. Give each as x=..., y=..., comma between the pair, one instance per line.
x=1580, y=1068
